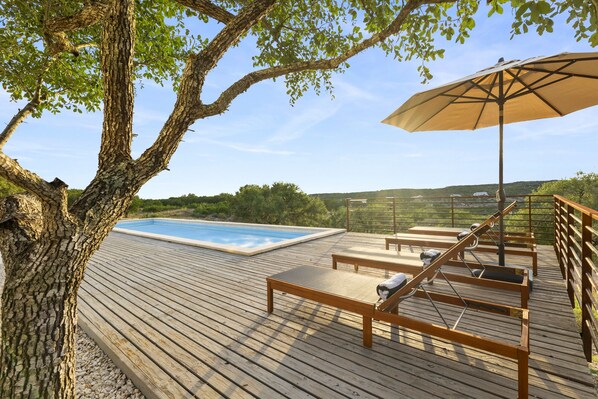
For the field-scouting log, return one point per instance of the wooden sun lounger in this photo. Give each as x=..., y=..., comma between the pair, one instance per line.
x=443, y=241
x=426, y=241
x=512, y=239
x=357, y=293
x=410, y=263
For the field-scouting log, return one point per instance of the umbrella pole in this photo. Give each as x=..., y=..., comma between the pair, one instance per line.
x=501, y=191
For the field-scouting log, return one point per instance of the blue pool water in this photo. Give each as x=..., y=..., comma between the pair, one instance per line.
x=238, y=235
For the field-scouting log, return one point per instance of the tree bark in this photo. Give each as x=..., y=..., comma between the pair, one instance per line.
x=39, y=318
x=45, y=251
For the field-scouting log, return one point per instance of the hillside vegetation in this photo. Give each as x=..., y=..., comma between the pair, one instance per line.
x=333, y=200
x=286, y=203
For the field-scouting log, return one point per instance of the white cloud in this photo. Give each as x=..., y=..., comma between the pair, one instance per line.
x=304, y=120
x=242, y=147
x=413, y=155
x=577, y=124
x=30, y=150
x=346, y=91
x=144, y=116
x=221, y=127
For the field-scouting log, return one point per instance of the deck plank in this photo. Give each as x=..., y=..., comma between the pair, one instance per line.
x=190, y=322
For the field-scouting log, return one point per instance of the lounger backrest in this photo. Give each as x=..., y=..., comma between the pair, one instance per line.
x=508, y=209
x=430, y=271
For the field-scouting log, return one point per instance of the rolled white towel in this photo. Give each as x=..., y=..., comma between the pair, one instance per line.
x=386, y=288
x=474, y=226
x=429, y=256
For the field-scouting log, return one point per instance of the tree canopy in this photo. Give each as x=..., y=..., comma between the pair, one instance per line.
x=582, y=188
x=281, y=203
x=300, y=40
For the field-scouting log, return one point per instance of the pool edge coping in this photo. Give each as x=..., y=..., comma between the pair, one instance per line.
x=320, y=232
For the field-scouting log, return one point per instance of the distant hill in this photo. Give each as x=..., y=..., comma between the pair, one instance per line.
x=516, y=188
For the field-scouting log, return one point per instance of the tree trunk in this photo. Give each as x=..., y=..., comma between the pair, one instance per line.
x=39, y=316
x=44, y=253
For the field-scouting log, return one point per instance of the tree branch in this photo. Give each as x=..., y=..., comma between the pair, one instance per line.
x=15, y=173
x=188, y=107
x=118, y=43
x=20, y=117
x=248, y=17
x=221, y=104
x=83, y=45
x=88, y=16
x=156, y=157
x=54, y=29
x=21, y=223
x=207, y=8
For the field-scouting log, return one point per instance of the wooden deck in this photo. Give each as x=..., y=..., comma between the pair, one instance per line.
x=190, y=322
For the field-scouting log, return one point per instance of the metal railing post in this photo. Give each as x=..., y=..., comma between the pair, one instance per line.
x=586, y=284
x=394, y=215
x=529, y=211
x=347, y=206
x=452, y=211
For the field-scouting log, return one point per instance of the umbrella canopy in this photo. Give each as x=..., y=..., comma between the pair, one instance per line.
x=512, y=91
x=541, y=87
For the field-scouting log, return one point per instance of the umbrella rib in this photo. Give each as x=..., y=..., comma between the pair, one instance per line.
x=558, y=72
x=522, y=92
x=515, y=79
x=489, y=93
x=531, y=91
x=553, y=61
x=427, y=100
x=473, y=99
x=432, y=116
x=474, y=83
x=436, y=113
x=546, y=76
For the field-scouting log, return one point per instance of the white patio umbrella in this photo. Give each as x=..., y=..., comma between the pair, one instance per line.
x=513, y=91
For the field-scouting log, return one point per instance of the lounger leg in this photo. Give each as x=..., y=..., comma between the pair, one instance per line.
x=524, y=297
x=535, y=263
x=522, y=368
x=270, y=298
x=334, y=264
x=367, y=332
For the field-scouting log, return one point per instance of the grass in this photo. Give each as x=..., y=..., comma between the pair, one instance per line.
x=593, y=365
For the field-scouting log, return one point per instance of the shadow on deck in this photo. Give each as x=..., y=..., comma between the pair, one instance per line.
x=190, y=322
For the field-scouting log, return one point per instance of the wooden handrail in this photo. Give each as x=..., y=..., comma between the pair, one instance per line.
x=575, y=248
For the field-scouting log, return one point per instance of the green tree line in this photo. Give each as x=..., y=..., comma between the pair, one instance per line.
x=279, y=203
x=286, y=203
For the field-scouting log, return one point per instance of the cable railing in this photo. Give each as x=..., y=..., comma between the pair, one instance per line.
x=570, y=227
x=576, y=247
x=534, y=213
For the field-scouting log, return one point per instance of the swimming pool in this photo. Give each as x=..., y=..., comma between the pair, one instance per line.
x=239, y=238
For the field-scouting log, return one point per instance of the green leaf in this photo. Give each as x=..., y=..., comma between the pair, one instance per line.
x=543, y=7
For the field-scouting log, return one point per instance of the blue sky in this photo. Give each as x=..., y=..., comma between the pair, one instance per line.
x=326, y=145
